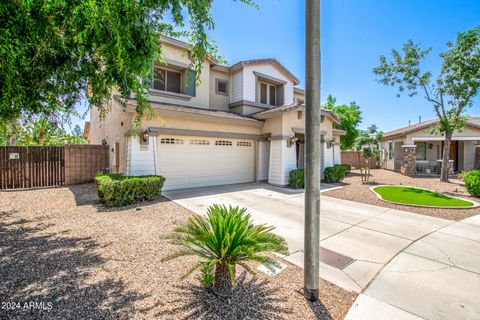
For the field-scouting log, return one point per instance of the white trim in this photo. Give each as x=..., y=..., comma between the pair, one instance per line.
x=409, y=146
x=269, y=85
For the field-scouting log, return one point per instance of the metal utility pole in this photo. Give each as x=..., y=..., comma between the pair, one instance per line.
x=312, y=150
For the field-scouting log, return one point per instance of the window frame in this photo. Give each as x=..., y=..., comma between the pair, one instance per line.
x=268, y=93
x=217, y=82
x=391, y=150
x=417, y=143
x=166, y=71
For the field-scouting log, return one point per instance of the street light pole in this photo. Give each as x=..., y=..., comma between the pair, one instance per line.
x=312, y=150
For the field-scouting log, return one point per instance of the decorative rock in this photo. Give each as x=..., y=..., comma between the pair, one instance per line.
x=408, y=167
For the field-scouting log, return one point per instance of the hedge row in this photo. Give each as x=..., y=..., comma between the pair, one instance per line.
x=336, y=173
x=118, y=190
x=472, y=182
x=296, y=177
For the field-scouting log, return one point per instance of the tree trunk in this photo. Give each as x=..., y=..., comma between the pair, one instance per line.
x=41, y=138
x=446, y=157
x=221, y=283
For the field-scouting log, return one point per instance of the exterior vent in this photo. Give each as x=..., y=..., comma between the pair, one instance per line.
x=171, y=141
x=223, y=143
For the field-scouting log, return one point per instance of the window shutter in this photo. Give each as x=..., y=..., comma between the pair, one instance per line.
x=280, y=95
x=190, y=83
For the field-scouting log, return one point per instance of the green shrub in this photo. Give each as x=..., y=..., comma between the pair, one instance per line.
x=335, y=174
x=347, y=167
x=223, y=239
x=472, y=182
x=296, y=178
x=118, y=190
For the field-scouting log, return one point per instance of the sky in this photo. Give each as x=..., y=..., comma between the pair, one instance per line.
x=354, y=34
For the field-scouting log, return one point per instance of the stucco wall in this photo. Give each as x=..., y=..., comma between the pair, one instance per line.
x=298, y=96
x=112, y=129
x=189, y=124
x=219, y=101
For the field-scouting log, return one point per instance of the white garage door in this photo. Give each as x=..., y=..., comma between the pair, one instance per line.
x=190, y=162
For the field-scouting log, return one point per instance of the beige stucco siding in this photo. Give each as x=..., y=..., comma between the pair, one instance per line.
x=112, y=130
x=219, y=101
x=282, y=125
x=188, y=124
x=297, y=96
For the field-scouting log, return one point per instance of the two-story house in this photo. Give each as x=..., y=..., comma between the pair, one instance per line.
x=238, y=124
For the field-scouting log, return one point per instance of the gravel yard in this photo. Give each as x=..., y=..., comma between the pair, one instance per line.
x=356, y=191
x=76, y=259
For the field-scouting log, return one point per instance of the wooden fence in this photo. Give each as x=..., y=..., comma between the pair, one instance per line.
x=31, y=167
x=356, y=159
x=36, y=167
x=353, y=158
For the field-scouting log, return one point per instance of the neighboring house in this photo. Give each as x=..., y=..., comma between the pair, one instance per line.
x=414, y=150
x=240, y=123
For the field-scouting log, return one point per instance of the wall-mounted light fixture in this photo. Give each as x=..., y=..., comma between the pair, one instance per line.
x=330, y=143
x=430, y=146
x=144, y=137
x=291, y=142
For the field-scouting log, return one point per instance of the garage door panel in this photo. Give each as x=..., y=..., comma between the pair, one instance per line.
x=194, y=163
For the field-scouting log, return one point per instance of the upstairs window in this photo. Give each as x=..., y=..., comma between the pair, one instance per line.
x=167, y=80
x=178, y=80
x=221, y=87
x=268, y=94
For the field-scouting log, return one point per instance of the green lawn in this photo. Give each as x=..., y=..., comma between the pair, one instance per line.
x=409, y=195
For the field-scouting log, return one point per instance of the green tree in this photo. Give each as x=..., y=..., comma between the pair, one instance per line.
x=450, y=93
x=37, y=132
x=77, y=131
x=53, y=52
x=223, y=239
x=350, y=117
x=368, y=141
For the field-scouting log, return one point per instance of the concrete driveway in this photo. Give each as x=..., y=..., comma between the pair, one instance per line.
x=357, y=239
x=437, y=277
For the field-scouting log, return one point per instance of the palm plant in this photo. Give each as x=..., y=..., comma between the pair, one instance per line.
x=222, y=239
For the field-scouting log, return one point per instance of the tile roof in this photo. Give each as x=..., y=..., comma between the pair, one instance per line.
x=266, y=60
x=472, y=121
x=292, y=107
x=188, y=109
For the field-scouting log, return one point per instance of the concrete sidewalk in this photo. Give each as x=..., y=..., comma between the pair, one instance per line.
x=369, y=235
x=437, y=277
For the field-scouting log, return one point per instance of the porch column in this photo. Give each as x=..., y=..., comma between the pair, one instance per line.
x=409, y=166
x=476, y=161
x=283, y=158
